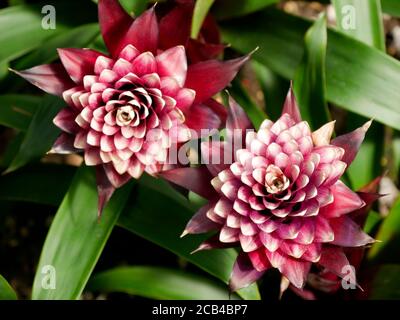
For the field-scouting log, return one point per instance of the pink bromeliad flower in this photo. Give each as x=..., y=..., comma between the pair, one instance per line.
x=125, y=110
x=280, y=199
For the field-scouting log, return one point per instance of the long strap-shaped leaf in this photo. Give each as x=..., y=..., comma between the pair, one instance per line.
x=44, y=184
x=362, y=20
x=16, y=111
x=387, y=249
x=76, y=239
x=155, y=212
x=158, y=216
x=310, y=80
x=224, y=9
x=157, y=283
x=359, y=78
x=22, y=28
x=41, y=133
x=200, y=12
x=6, y=291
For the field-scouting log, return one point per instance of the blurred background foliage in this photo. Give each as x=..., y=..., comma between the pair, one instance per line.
x=48, y=203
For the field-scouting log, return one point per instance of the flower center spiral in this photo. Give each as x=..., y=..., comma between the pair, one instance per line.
x=125, y=115
x=275, y=180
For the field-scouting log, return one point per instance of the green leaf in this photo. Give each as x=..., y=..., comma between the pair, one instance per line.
x=16, y=110
x=362, y=20
x=44, y=184
x=254, y=112
x=24, y=31
x=274, y=88
x=78, y=37
x=396, y=154
x=98, y=44
x=134, y=7
x=387, y=249
x=373, y=220
x=76, y=239
x=225, y=9
x=201, y=9
x=162, y=222
x=41, y=133
x=391, y=7
x=309, y=81
x=383, y=283
x=157, y=283
x=15, y=2
x=359, y=78
x=3, y=70
x=6, y=291
x=11, y=149
x=24, y=25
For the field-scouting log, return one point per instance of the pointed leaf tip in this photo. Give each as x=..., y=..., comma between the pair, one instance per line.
x=322, y=136
x=51, y=78
x=237, y=120
x=209, y=77
x=243, y=273
x=184, y=233
x=351, y=142
x=104, y=189
x=290, y=106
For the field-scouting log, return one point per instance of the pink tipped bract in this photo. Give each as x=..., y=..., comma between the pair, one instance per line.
x=125, y=110
x=280, y=200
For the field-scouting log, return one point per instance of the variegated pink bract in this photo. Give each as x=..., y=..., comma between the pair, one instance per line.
x=125, y=110
x=280, y=199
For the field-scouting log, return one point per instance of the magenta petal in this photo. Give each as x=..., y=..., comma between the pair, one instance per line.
x=218, y=108
x=198, y=51
x=104, y=188
x=170, y=35
x=78, y=62
x=334, y=259
x=200, y=117
x=193, y=179
x=237, y=122
x=200, y=223
x=143, y=33
x=116, y=179
x=259, y=259
x=348, y=233
x=305, y=294
x=51, y=78
x=213, y=243
x=216, y=156
x=369, y=194
x=184, y=99
x=210, y=77
x=65, y=120
x=114, y=23
x=345, y=201
x=243, y=273
x=173, y=63
x=296, y=271
x=351, y=142
x=290, y=107
x=64, y=144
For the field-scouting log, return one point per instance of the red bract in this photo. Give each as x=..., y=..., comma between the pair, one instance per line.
x=125, y=110
x=280, y=199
